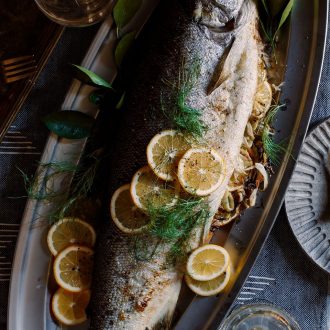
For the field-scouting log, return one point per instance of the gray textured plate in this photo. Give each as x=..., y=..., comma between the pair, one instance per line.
x=307, y=199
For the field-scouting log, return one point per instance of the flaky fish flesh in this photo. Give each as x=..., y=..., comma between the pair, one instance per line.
x=222, y=34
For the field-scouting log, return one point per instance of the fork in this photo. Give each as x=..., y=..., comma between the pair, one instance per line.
x=18, y=68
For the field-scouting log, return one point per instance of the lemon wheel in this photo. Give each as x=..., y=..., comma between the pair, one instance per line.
x=70, y=231
x=164, y=152
x=73, y=268
x=69, y=308
x=201, y=171
x=207, y=262
x=125, y=214
x=209, y=288
x=148, y=190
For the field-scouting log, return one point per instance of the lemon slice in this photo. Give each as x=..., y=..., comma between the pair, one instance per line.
x=70, y=231
x=69, y=308
x=126, y=216
x=209, y=288
x=164, y=152
x=73, y=268
x=263, y=98
x=207, y=262
x=148, y=190
x=201, y=171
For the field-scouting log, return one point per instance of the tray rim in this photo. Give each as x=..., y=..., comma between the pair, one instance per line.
x=31, y=205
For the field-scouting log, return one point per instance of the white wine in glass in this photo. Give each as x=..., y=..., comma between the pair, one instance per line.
x=75, y=12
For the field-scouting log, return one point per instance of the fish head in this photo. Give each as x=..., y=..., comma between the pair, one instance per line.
x=219, y=19
x=218, y=14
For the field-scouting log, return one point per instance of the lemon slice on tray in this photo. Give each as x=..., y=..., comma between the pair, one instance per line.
x=207, y=262
x=164, y=152
x=70, y=231
x=148, y=190
x=69, y=308
x=125, y=214
x=263, y=98
x=73, y=268
x=201, y=171
x=211, y=287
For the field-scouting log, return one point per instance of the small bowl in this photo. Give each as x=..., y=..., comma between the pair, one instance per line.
x=259, y=317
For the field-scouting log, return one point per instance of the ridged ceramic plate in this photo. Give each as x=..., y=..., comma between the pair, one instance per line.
x=307, y=199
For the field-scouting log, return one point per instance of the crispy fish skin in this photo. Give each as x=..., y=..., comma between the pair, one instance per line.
x=131, y=294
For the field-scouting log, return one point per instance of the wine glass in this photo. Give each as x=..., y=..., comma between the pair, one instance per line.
x=75, y=12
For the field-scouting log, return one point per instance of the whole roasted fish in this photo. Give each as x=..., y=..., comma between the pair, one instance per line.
x=222, y=34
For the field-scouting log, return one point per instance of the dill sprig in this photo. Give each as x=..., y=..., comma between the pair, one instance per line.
x=174, y=225
x=274, y=18
x=39, y=186
x=42, y=186
x=272, y=149
x=183, y=116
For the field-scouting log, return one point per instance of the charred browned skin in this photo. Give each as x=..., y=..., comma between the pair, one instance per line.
x=127, y=293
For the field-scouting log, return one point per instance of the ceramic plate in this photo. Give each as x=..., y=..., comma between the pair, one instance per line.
x=307, y=199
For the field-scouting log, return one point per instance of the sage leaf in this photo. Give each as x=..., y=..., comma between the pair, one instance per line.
x=123, y=46
x=89, y=77
x=121, y=101
x=124, y=11
x=69, y=124
x=284, y=16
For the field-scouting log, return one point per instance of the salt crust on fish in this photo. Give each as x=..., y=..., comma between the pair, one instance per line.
x=131, y=294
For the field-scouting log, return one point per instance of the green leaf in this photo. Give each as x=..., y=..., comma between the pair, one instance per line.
x=265, y=6
x=89, y=77
x=123, y=46
x=276, y=6
x=124, y=11
x=285, y=15
x=121, y=101
x=266, y=35
x=69, y=124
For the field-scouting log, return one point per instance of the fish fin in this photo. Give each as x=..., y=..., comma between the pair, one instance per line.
x=166, y=320
x=229, y=62
x=219, y=76
x=233, y=53
x=164, y=323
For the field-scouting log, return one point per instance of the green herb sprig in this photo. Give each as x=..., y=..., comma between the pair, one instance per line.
x=273, y=20
x=184, y=117
x=40, y=186
x=34, y=183
x=174, y=226
x=272, y=149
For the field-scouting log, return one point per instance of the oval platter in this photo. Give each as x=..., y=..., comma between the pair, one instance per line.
x=307, y=198
x=303, y=51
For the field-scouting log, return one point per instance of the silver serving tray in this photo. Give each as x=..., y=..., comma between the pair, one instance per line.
x=305, y=35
